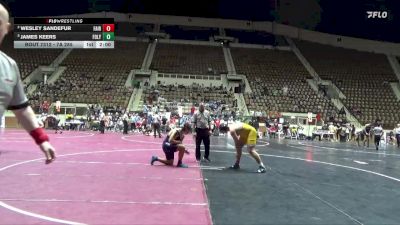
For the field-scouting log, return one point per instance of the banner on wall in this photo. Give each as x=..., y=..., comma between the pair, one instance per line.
x=310, y=115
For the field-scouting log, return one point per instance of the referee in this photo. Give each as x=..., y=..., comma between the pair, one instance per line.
x=12, y=95
x=201, y=126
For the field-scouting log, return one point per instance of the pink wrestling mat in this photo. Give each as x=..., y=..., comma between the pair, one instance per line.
x=97, y=179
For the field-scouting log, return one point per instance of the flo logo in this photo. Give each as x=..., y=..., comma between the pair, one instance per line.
x=377, y=14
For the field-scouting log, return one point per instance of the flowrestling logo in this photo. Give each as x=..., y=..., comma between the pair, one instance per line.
x=377, y=14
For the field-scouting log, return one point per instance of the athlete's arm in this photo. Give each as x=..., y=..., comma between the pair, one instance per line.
x=172, y=138
x=209, y=120
x=25, y=115
x=209, y=124
x=232, y=129
x=27, y=118
x=194, y=124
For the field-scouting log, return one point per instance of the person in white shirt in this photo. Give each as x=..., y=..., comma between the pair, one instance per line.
x=285, y=90
x=378, y=132
x=397, y=133
x=13, y=97
x=202, y=131
x=102, y=118
x=332, y=131
x=347, y=133
x=58, y=124
x=157, y=125
x=154, y=109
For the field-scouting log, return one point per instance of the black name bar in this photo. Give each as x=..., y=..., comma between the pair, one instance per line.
x=67, y=36
x=57, y=28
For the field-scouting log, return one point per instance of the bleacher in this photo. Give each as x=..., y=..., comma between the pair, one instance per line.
x=362, y=77
x=28, y=59
x=186, y=96
x=125, y=29
x=97, y=76
x=189, y=33
x=252, y=37
x=270, y=72
x=277, y=78
x=189, y=59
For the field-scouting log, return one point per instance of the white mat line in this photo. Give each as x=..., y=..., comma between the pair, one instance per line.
x=105, y=202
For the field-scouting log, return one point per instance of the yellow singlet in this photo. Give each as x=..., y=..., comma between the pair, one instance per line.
x=248, y=134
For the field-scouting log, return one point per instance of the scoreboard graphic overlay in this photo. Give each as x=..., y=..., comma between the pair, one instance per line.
x=95, y=33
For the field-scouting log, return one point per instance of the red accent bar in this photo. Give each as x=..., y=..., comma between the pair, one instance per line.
x=108, y=28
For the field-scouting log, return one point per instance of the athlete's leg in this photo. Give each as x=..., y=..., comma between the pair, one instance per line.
x=254, y=154
x=239, y=147
x=166, y=161
x=181, y=153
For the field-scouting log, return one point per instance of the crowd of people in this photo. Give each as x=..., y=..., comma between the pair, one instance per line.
x=157, y=121
x=346, y=132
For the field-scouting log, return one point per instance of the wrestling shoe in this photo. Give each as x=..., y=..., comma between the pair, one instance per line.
x=207, y=160
x=181, y=165
x=153, y=159
x=234, y=166
x=261, y=169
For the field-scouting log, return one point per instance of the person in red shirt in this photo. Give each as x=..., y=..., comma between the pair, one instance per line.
x=217, y=123
x=45, y=107
x=192, y=110
x=318, y=117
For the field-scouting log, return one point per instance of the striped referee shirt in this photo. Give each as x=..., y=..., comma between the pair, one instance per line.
x=12, y=95
x=202, y=120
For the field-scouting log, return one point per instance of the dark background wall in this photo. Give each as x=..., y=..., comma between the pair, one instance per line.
x=343, y=17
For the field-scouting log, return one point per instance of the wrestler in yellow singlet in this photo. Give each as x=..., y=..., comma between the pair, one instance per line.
x=248, y=135
x=244, y=134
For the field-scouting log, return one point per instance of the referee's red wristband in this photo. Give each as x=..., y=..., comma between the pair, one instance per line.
x=39, y=135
